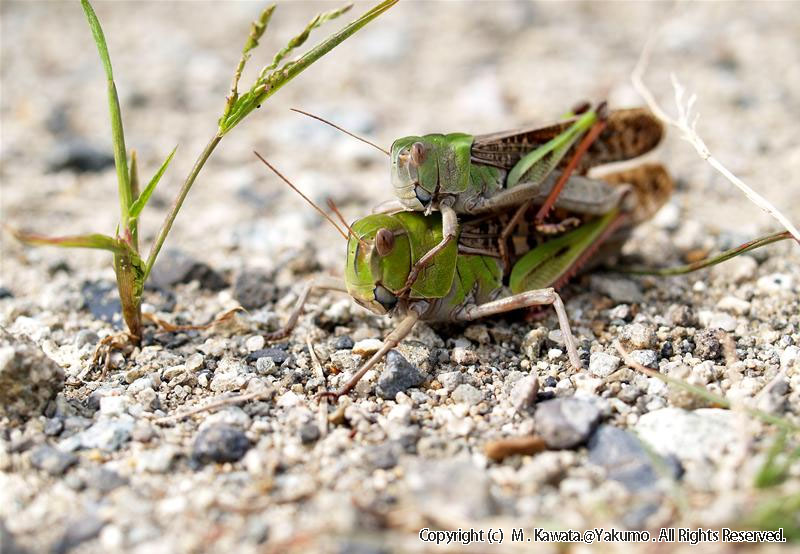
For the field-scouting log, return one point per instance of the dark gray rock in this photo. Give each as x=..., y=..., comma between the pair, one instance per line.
x=309, y=433
x=28, y=378
x=344, y=343
x=383, y=456
x=220, y=443
x=6, y=293
x=105, y=480
x=52, y=460
x=254, y=288
x=626, y=460
x=53, y=426
x=174, y=267
x=277, y=355
x=79, y=530
x=102, y=300
x=398, y=375
x=76, y=155
x=566, y=422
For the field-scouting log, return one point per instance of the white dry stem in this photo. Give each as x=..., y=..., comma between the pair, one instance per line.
x=687, y=123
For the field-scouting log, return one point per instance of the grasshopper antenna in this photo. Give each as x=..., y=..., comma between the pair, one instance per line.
x=335, y=210
x=318, y=118
x=306, y=198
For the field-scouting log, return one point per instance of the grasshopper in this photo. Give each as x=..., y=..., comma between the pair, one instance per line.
x=467, y=279
x=464, y=174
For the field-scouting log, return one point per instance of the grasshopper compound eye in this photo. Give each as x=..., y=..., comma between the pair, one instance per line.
x=384, y=297
x=384, y=242
x=417, y=154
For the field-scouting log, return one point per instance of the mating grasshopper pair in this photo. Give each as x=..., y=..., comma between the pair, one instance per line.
x=428, y=266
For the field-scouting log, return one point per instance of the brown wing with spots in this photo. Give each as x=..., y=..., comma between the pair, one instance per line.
x=628, y=134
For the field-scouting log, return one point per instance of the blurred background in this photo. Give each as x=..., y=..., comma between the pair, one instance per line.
x=422, y=67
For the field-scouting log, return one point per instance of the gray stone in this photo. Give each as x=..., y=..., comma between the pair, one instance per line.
x=86, y=336
x=467, y=394
x=707, y=345
x=626, y=460
x=681, y=315
x=174, y=266
x=107, y=434
x=619, y=289
x=384, y=456
x=532, y=343
x=254, y=288
x=277, y=355
x=638, y=336
x=690, y=435
x=647, y=358
x=566, y=422
x=105, y=480
x=523, y=394
x=220, y=443
x=398, y=375
x=79, y=530
x=450, y=380
x=453, y=490
x=309, y=433
x=52, y=460
x=28, y=378
x=102, y=300
x=602, y=364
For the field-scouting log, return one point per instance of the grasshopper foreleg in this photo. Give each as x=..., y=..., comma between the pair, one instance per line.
x=449, y=232
x=321, y=283
x=392, y=340
x=527, y=299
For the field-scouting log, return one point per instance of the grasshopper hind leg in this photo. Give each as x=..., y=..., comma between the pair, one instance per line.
x=527, y=299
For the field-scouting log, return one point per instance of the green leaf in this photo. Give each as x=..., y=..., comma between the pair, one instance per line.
x=94, y=240
x=139, y=204
x=117, y=134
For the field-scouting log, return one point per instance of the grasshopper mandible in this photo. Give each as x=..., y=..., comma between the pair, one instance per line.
x=466, y=282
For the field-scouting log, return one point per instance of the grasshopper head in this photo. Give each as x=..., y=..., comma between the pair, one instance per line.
x=415, y=171
x=378, y=262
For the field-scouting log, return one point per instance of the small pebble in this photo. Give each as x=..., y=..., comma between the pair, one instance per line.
x=344, y=343
x=52, y=460
x=638, y=336
x=309, y=433
x=114, y=405
x=735, y=305
x=467, y=394
x=464, y=356
x=450, y=380
x=367, y=347
x=523, y=394
x=398, y=375
x=276, y=354
x=680, y=315
x=254, y=343
x=566, y=422
x=647, y=358
x=775, y=282
x=220, y=443
x=707, y=344
x=721, y=320
x=602, y=364
x=532, y=343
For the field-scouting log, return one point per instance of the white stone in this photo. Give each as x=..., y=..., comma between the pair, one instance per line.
x=602, y=364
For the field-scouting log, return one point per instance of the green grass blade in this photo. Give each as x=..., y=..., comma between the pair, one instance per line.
x=709, y=261
x=300, y=39
x=93, y=240
x=117, y=134
x=257, y=29
x=269, y=82
x=139, y=204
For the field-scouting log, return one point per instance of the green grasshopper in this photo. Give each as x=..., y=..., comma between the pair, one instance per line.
x=466, y=280
x=460, y=173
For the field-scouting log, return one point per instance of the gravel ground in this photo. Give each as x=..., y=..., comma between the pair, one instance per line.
x=87, y=460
